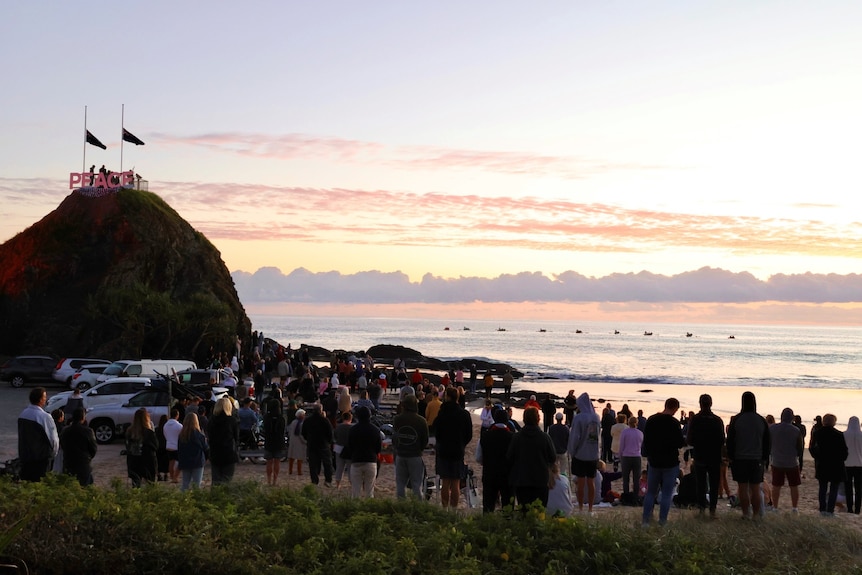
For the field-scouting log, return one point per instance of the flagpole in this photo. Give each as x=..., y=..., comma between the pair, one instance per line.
x=122, y=127
x=84, y=166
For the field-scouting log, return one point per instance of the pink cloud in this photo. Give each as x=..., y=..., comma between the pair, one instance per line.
x=302, y=146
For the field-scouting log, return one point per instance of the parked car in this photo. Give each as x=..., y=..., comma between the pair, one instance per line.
x=116, y=390
x=28, y=369
x=87, y=376
x=145, y=367
x=110, y=420
x=67, y=367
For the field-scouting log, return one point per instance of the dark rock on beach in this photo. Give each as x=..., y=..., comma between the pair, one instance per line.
x=119, y=274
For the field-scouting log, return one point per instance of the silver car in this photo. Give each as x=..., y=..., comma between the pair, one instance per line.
x=117, y=390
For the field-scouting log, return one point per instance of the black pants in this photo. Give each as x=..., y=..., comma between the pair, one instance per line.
x=527, y=495
x=316, y=458
x=706, y=475
x=493, y=487
x=35, y=470
x=853, y=489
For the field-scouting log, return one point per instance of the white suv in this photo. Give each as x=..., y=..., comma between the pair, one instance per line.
x=117, y=390
x=67, y=367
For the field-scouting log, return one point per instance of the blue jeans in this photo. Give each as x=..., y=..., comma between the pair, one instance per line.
x=410, y=469
x=666, y=477
x=193, y=477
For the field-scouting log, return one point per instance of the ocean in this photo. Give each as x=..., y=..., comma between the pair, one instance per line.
x=814, y=370
x=714, y=355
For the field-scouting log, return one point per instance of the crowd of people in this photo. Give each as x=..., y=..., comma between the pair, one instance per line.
x=565, y=459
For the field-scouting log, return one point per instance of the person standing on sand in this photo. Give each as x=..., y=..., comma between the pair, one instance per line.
x=491, y=453
x=584, y=450
x=79, y=448
x=453, y=429
x=432, y=407
x=570, y=403
x=192, y=453
x=607, y=422
x=317, y=432
x=531, y=455
x=748, y=446
x=172, y=430
x=549, y=408
x=829, y=451
x=364, y=446
x=662, y=442
x=559, y=433
x=706, y=437
x=296, y=448
x=141, y=447
x=38, y=442
x=853, y=463
x=274, y=426
x=785, y=442
x=631, y=442
x=223, y=432
x=409, y=438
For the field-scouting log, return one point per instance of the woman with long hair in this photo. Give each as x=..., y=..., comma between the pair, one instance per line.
x=141, y=447
x=223, y=429
x=273, y=443
x=853, y=463
x=192, y=452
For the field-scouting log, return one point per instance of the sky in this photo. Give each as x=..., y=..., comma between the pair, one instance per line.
x=546, y=151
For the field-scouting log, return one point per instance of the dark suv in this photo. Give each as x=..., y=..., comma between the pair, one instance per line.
x=28, y=369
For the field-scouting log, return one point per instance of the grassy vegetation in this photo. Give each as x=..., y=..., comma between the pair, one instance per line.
x=247, y=528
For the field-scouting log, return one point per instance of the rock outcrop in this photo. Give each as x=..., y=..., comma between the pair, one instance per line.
x=120, y=275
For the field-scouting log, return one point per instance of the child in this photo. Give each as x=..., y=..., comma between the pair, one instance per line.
x=559, y=494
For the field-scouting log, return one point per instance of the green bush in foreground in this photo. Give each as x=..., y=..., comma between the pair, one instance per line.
x=248, y=528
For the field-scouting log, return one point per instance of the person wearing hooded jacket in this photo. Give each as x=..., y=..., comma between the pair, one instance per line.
x=748, y=446
x=409, y=438
x=786, y=440
x=584, y=450
x=853, y=463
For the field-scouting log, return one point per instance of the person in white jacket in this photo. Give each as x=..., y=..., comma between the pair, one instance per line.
x=853, y=464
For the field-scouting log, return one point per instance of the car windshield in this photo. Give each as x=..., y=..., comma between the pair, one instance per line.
x=115, y=368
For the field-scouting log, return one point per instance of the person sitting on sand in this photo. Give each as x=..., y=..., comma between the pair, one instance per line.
x=559, y=494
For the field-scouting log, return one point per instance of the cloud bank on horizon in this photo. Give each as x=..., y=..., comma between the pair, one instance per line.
x=706, y=285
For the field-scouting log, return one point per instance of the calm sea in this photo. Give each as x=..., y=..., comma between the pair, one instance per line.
x=756, y=356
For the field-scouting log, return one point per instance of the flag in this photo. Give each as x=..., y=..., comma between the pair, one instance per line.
x=130, y=137
x=93, y=140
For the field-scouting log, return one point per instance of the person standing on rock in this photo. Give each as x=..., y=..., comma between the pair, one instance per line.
x=508, y=380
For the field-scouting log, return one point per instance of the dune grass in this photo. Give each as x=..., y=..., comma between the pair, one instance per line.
x=248, y=528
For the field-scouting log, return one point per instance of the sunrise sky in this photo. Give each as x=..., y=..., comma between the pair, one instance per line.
x=458, y=139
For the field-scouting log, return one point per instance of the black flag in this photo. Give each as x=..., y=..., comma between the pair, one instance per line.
x=130, y=137
x=93, y=140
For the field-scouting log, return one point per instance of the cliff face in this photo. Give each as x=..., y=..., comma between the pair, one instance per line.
x=121, y=275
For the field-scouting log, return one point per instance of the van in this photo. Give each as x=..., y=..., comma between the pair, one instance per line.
x=145, y=368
